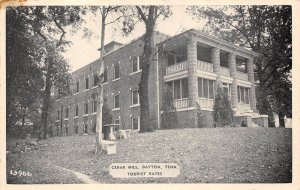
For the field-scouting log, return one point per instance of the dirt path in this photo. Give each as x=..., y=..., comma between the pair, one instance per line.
x=84, y=178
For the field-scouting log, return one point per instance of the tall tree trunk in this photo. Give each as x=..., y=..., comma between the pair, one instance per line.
x=46, y=102
x=143, y=85
x=100, y=92
x=281, y=119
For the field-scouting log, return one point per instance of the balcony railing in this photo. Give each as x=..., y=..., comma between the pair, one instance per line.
x=205, y=103
x=181, y=103
x=242, y=108
x=204, y=66
x=225, y=71
x=176, y=67
x=242, y=76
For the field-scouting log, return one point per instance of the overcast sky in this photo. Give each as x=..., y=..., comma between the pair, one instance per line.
x=84, y=51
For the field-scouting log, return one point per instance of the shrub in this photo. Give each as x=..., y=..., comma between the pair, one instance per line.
x=223, y=114
x=200, y=117
x=169, y=116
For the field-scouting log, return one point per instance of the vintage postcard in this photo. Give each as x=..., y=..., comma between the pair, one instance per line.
x=196, y=94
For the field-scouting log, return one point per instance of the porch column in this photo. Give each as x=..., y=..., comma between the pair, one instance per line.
x=215, y=60
x=250, y=70
x=232, y=69
x=192, y=66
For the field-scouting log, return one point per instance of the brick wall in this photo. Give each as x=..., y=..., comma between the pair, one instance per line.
x=127, y=82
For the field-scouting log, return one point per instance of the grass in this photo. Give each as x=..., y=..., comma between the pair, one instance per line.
x=207, y=155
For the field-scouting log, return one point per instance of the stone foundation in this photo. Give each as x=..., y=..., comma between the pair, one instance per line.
x=188, y=118
x=261, y=120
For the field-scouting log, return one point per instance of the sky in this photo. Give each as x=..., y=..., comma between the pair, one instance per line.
x=84, y=51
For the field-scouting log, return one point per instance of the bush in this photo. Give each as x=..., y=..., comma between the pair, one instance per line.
x=200, y=117
x=223, y=114
x=169, y=116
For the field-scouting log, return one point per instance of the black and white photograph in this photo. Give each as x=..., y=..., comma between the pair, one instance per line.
x=147, y=94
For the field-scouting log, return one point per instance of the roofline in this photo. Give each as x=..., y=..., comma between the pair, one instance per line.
x=215, y=39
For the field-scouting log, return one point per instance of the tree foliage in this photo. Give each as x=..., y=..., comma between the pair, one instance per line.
x=268, y=31
x=37, y=33
x=23, y=71
x=169, y=118
x=223, y=114
x=200, y=117
x=148, y=15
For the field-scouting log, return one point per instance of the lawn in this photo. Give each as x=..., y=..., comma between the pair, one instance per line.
x=207, y=155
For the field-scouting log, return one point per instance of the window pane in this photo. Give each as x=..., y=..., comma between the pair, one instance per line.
x=134, y=64
x=67, y=112
x=200, y=88
x=243, y=94
x=134, y=97
x=239, y=94
x=117, y=74
x=95, y=106
x=185, y=88
x=95, y=80
x=86, y=108
x=211, y=89
x=77, y=86
x=105, y=75
x=117, y=101
x=86, y=83
x=205, y=88
x=134, y=123
x=247, y=95
x=177, y=89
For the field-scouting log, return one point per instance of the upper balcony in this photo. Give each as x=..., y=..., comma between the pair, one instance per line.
x=178, y=62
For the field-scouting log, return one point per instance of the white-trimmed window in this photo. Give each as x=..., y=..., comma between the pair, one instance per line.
x=135, y=64
x=206, y=88
x=94, y=106
x=226, y=88
x=116, y=101
x=243, y=95
x=116, y=71
x=86, y=108
x=135, y=98
x=77, y=86
x=85, y=128
x=179, y=88
x=95, y=80
x=66, y=112
x=76, y=111
x=135, y=123
x=87, y=83
x=67, y=129
x=105, y=77
x=76, y=129
x=58, y=114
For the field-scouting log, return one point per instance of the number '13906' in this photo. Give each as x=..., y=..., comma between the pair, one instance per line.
x=20, y=173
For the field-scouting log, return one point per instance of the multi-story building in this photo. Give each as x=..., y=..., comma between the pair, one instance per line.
x=192, y=64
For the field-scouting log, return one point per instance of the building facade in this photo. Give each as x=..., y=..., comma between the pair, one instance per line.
x=192, y=64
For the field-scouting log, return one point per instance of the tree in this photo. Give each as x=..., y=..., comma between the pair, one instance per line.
x=223, y=114
x=148, y=15
x=51, y=21
x=45, y=25
x=169, y=118
x=266, y=30
x=23, y=73
x=200, y=116
x=105, y=11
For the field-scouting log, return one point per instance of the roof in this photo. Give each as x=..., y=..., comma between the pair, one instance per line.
x=211, y=38
x=111, y=44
